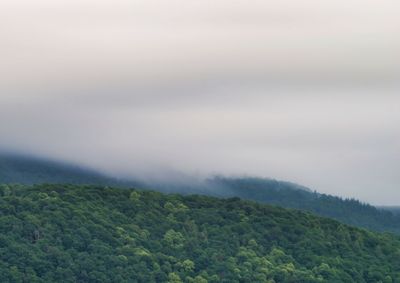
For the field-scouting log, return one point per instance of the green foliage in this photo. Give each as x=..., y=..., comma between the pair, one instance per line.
x=174, y=239
x=134, y=196
x=285, y=194
x=29, y=170
x=174, y=278
x=65, y=233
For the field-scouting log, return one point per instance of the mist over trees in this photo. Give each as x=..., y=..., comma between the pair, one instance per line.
x=28, y=170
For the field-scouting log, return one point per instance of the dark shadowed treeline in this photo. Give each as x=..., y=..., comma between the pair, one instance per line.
x=393, y=209
x=30, y=170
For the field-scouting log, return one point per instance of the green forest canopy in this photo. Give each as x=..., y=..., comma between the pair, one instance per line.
x=29, y=170
x=66, y=233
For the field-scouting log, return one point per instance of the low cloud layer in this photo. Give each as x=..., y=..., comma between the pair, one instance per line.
x=303, y=91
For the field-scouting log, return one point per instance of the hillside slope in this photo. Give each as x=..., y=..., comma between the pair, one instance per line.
x=29, y=170
x=290, y=195
x=65, y=233
x=32, y=170
x=349, y=211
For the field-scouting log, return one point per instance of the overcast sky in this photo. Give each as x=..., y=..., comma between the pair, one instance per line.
x=302, y=90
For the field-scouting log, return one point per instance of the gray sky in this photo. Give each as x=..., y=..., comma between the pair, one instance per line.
x=304, y=91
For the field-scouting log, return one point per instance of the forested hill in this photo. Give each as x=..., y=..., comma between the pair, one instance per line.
x=66, y=233
x=29, y=170
x=393, y=209
x=289, y=195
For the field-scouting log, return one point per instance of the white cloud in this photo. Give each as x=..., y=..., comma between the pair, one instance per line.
x=298, y=90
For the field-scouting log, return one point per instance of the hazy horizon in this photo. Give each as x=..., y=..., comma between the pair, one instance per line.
x=301, y=91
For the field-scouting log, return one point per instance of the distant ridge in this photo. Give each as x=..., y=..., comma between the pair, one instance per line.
x=28, y=170
x=32, y=170
x=393, y=209
x=291, y=195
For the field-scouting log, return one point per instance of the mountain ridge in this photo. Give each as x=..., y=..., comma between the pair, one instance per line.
x=29, y=170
